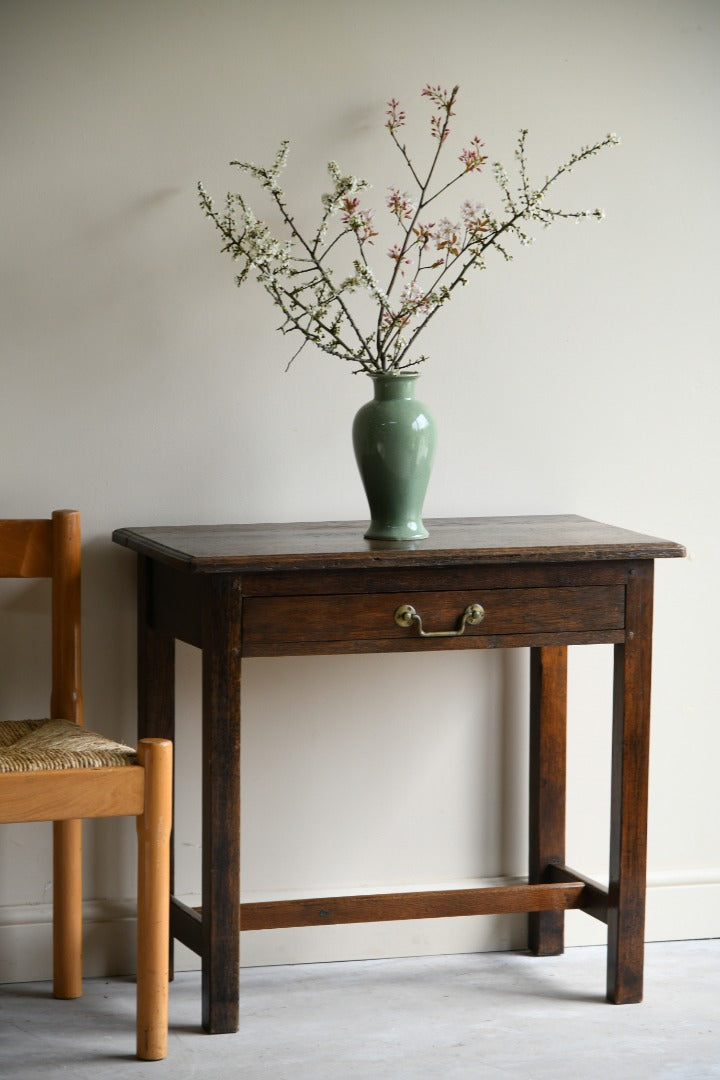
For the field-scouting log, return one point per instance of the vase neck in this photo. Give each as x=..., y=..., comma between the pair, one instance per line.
x=393, y=387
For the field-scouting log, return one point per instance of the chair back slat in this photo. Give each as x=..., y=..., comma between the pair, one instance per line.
x=26, y=548
x=50, y=548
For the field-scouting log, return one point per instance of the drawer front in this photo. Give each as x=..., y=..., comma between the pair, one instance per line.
x=282, y=620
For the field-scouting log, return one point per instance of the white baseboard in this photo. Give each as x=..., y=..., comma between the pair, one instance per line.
x=679, y=906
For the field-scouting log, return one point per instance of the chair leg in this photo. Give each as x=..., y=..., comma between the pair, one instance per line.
x=153, y=929
x=67, y=909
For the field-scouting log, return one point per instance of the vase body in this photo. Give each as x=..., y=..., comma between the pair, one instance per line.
x=394, y=442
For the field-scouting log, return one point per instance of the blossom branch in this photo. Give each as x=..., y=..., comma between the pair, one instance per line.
x=430, y=260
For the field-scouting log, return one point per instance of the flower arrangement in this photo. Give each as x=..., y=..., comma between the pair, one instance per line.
x=427, y=262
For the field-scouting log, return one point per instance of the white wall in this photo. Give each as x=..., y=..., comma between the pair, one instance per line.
x=141, y=387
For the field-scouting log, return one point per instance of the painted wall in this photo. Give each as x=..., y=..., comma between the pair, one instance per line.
x=140, y=386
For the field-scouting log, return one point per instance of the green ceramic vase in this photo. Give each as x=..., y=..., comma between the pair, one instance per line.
x=394, y=441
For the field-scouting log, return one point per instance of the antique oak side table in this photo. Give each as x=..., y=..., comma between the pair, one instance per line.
x=305, y=589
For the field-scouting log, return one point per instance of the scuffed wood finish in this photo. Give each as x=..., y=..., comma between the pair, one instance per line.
x=427, y=645
x=507, y=611
x=186, y=925
x=548, y=703
x=385, y=907
x=594, y=900
x=155, y=663
x=320, y=588
x=221, y=671
x=322, y=545
x=629, y=793
x=453, y=577
x=155, y=686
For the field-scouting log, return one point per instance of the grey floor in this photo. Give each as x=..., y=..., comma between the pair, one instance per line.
x=491, y=1015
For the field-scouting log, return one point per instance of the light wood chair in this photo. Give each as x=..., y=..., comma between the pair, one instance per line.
x=53, y=770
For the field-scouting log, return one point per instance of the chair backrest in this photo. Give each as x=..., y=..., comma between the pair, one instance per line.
x=50, y=548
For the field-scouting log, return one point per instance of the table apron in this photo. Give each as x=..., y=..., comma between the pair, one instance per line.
x=320, y=623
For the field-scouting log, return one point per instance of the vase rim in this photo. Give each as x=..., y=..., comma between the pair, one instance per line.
x=393, y=374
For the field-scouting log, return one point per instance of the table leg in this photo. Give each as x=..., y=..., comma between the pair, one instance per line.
x=629, y=792
x=155, y=684
x=548, y=708
x=221, y=673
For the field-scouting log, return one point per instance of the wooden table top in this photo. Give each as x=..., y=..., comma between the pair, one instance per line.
x=273, y=547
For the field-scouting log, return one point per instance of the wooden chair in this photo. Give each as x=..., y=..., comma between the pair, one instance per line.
x=52, y=770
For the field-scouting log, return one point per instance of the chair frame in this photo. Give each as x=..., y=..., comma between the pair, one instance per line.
x=51, y=548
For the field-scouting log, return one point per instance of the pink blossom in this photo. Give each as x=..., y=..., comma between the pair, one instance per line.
x=436, y=129
x=448, y=237
x=360, y=221
x=424, y=233
x=395, y=253
x=439, y=96
x=471, y=157
x=413, y=298
x=396, y=117
x=445, y=101
x=474, y=217
x=399, y=204
x=363, y=226
x=394, y=319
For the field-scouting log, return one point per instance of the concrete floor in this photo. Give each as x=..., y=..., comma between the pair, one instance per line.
x=484, y=1016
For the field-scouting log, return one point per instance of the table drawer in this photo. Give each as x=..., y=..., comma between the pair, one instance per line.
x=281, y=620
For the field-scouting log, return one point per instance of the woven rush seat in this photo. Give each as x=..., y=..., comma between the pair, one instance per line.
x=34, y=745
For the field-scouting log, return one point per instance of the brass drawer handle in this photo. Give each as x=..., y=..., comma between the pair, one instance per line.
x=406, y=615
